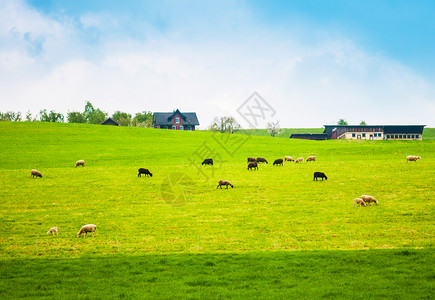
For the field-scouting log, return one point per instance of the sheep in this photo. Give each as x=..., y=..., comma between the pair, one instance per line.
x=300, y=159
x=319, y=175
x=289, y=158
x=224, y=182
x=251, y=159
x=359, y=201
x=207, y=161
x=87, y=228
x=412, y=158
x=35, y=173
x=53, y=230
x=369, y=199
x=253, y=165
x=144, y=171
x=80, y=163
x=278, y=162
x=311, y=158
x=261, y=159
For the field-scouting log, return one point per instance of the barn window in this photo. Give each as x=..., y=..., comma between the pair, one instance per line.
x=353, y=135
x=173, y=127
x=189, y=128
x=364, y=135
x=177, y=120
x=181, y=127
x=417, y=136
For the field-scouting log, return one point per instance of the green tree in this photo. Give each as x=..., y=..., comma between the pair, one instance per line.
x=29, y=116
x=143, y=119
x=363, y=123
x=76, y=117
x=224, y=124
x=97, y=116
x=342, y=122
x=10, y=116
x=124, y=119
x=52, y=116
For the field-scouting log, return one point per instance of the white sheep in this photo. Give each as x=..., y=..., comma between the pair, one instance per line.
x=412, y=158
x=369, y=199
x=87, y=228
x=80, y=163
x=311, y=158
x=359, y=201
x=53, y=230
x=300, y=159
x=289, y=158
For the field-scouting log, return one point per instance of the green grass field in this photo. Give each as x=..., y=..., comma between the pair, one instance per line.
x=276, y=234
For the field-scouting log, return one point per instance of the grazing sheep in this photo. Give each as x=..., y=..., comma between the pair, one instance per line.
x=144, y=171
x=369, y=199
x=289, y=158
x=261, y=159
x=53, y=230
x=207, y=161
x=412, y=158
x=359, y=201
x=300, y=159
x=80, y=163
x=253, y=165
x=251, y=159
x=35, y=173
x=278, y=162
x=224, y=182
x=311, y=158
x=87, y=228
x=319, y=175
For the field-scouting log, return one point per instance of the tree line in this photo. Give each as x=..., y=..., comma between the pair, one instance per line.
x=90, y=115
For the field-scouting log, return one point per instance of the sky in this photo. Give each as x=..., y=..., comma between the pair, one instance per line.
x=302, y=63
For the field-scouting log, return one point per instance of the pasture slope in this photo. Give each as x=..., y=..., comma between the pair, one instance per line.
x=276, y=234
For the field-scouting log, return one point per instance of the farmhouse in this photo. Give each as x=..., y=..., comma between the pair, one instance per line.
x=110, y=121
x=375, y=132
x=175, y=120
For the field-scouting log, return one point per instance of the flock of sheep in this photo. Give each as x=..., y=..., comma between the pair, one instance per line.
x=364, y=200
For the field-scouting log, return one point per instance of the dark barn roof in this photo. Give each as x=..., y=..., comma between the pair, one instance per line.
x=164, y=118
x=309, y=136
x=110, y=121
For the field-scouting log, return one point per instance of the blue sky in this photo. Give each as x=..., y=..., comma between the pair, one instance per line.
x=314, y=62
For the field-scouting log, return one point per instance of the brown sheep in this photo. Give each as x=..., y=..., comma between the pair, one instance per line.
x=80, y=163
x=253, y=165
x=261, y=159
x=359, y=201
x=300, y=159
x=224, y=182
x=369, y=199
x=53, y=230
x=36, y=173
x=311, y=158
x=412, y=158
x=289, y=158
x=87, y=228
x=251, y=159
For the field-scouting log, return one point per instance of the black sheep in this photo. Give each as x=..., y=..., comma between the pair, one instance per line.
x=207, y=161
x=278, y=162
x=144, y=171
x=319, y=175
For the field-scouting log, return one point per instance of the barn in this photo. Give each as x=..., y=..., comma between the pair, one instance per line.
x=374, y=132
x=110, y=121
x=175, y=120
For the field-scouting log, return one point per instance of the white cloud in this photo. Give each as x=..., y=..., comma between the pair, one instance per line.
x=308, y=85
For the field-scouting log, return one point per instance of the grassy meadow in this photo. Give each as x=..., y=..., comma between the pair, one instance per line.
x=276, y=234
